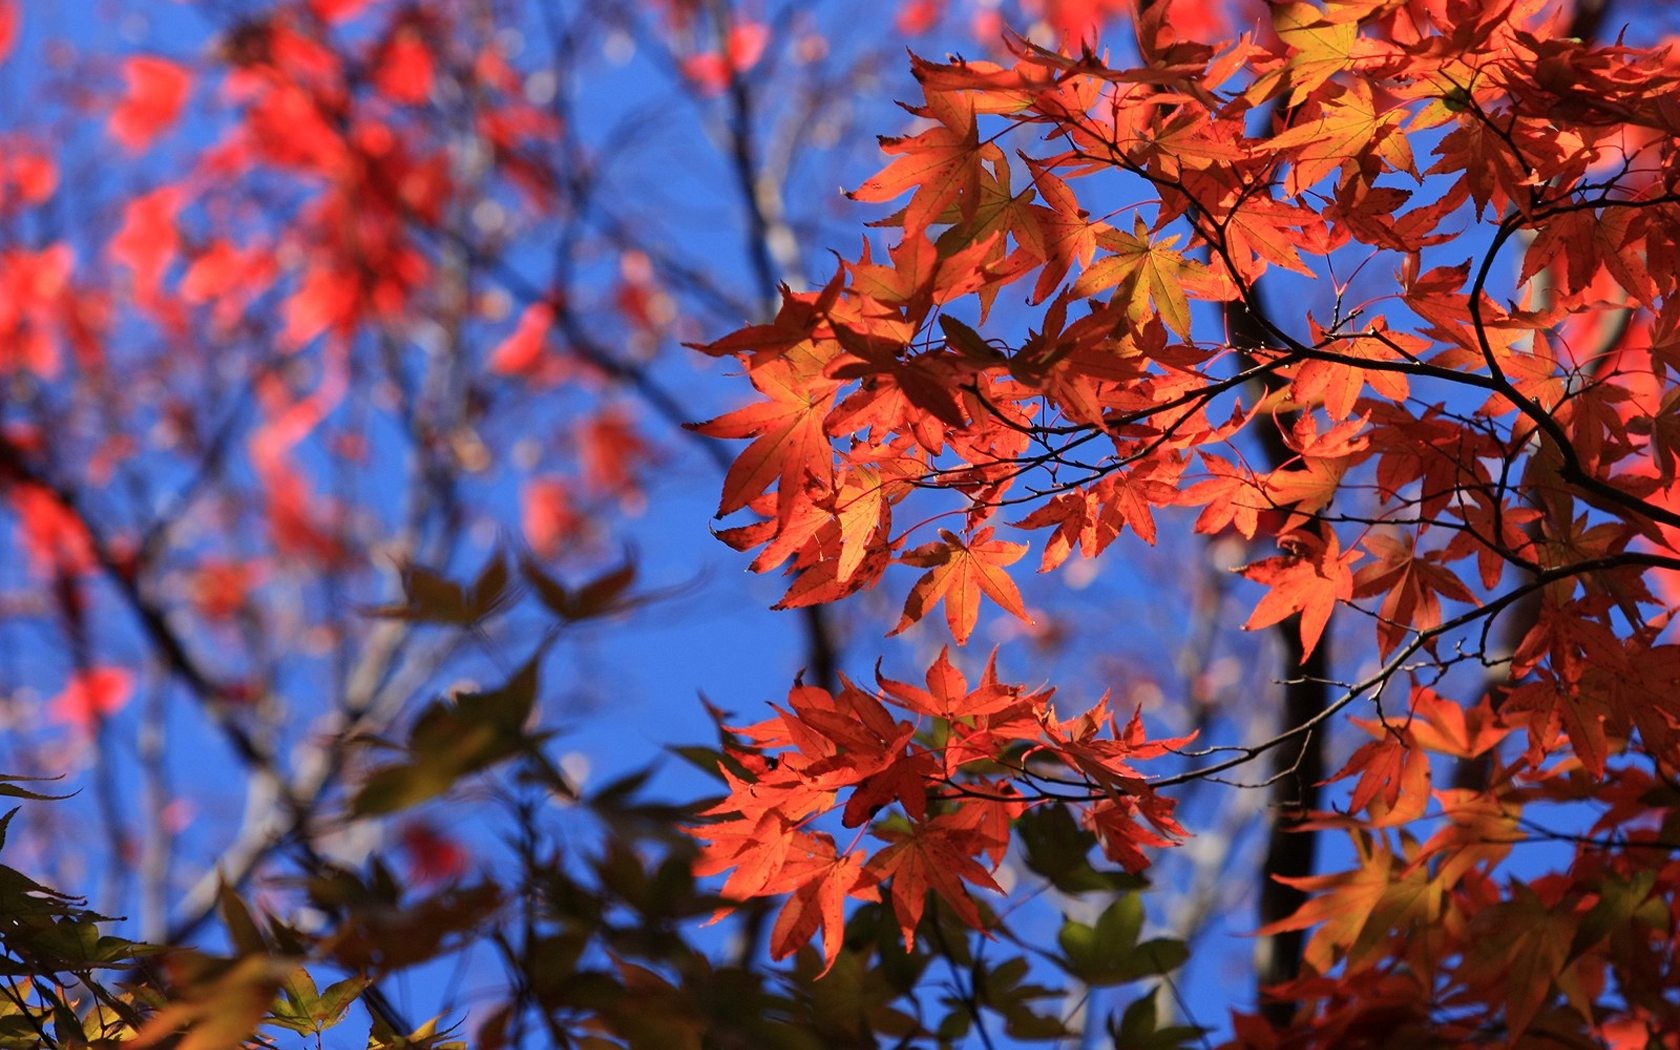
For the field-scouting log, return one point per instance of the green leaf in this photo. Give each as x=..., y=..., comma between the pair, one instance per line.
x=1122, y=921
x=1001, y=991
x=1157, y=957
x=1059, y=849
x=454, y=739
x=430, y=597
x=1137, y=1028
x=602, y=596
x=1618, y=900
x=1108, y=953
x=242, y=929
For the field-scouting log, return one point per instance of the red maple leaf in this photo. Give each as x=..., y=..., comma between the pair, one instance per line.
x=936, y=854
x=790, y=445
x=432, y=856
x=1309, y=581
x=818, y=902
x=156, y=89
x=90, y=697
x=403, y=70
x=148, y=242
x=8, y=27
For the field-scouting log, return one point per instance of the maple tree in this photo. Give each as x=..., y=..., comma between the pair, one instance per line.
x=1451, y=433
x=335, y=399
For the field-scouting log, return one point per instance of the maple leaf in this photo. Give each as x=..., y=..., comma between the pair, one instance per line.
x=818, y=903
x=550, y=518
x=8, y=27
x=1078, y=522
x=1491, y=174
x=221, y=589
x=1392, y=770
x=1549, y=703
x=156, y=89
x=332, y=11
x=227, y=277
x=756, y=847
x=1147, y=273
x=1355, y=910
x=31, y=176
x=1057, y=235
x=327, y=299
x=521, y=353
x=1320, y=48
x=1309, y=581
x=790, y=444
x=1480, y=831
x=1523, y=946
x=54, y=538
x=1263, y=231
x=32, y=288
x=947, y=694
x=1439, y=725
x=819, y=581
x=432, y=855
x=1229, y=499
x=90, y=697
x=148, y=242
x=1337, y=383
x=959, y=573
x=938, y=167
x=1411, y=584
x=1342, y=130
x=916, y=17
x=403, y=70
x=611, y=453
x=711, y=71
x=791, y=333
x=937, y=855
x=863, y=510
x=1122, y=838
x=1306, y=491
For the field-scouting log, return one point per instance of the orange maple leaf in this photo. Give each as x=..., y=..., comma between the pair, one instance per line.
x=1441, y=726
x=939, y=167
x=1310, y=582
x=1319, y=48
x=1346, y=128
x=1355, y=910
x=1146, y=273
x=1230, y=498
x=959, y=573
x=790, y=443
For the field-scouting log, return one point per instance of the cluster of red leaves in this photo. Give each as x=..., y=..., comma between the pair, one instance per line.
x=946, y=778
x=291, y=237
x=1449, y=452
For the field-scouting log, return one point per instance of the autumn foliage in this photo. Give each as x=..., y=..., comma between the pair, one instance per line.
x=1472, y=441
x=330, y=420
